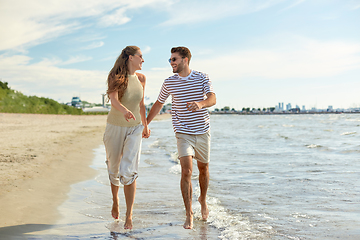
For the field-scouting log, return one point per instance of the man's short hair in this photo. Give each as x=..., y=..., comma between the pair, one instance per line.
x=183, y=52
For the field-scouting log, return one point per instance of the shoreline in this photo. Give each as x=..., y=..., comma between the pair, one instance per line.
x=279, y=113
x=41, y=156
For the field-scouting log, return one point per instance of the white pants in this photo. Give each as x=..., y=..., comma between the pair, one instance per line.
x=122, y=146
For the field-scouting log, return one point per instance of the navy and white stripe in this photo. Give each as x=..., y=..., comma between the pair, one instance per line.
x=184, y=90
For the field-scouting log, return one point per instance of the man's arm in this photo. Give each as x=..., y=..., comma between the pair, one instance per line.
x=155, y=109
x=208, y=102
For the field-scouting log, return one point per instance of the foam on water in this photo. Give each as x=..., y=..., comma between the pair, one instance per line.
x=176, y=169
x=313, y=146
x=348, y=133
x=232, y=225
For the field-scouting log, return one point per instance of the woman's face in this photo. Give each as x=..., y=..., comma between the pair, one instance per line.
x=137, y=60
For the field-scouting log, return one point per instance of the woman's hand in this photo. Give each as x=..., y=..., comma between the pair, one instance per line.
x=129, y=115
x=146, y=132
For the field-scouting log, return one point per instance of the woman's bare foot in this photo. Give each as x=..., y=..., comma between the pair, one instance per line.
x=189, y=221
x=115, y=209
x=204, y=209
x=128, y=222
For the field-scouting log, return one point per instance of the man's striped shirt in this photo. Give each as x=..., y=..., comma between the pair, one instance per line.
x=183, y=90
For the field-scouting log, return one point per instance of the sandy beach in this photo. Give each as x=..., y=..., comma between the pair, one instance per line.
x=40, y=157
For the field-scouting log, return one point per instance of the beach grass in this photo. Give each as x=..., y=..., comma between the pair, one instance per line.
x=12, y=101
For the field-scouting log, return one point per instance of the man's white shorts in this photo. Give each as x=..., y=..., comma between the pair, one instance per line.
x=197, y=146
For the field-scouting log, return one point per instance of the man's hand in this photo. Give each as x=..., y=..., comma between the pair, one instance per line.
x=193, y=106
x=146, y=132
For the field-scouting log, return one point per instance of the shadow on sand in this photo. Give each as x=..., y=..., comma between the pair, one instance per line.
x=14, y=232
x=112, y=231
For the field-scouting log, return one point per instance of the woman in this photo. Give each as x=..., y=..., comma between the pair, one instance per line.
x=126, y=125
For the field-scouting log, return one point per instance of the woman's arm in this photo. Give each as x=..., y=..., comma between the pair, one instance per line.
x=114, y=97
x=146, y=131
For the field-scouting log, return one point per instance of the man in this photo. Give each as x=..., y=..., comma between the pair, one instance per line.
x=191, y=93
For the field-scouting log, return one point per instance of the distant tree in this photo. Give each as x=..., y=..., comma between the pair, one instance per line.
x=233, y=110
x=248, y=109
x=272, y=109
x=264, y=109
x=4, y=85
x=216, y=109
x=259, y=109
x=227, y=108
x=253, y=109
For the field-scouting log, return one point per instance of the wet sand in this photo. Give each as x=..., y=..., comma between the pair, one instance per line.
x=40, y=157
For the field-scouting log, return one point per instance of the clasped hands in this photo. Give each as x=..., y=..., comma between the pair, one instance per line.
x=146, y=131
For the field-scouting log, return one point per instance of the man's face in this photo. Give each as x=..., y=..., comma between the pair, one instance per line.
x=177, y=62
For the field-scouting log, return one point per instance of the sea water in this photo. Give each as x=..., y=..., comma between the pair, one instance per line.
x=271, y=177
x=286, y=176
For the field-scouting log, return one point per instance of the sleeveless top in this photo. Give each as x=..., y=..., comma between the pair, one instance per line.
x=131, y=100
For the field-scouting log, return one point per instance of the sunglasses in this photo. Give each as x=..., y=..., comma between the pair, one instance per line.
x=173, y=59
x=139, y=55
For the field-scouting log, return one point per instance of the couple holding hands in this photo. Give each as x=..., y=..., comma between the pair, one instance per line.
x=127, y=124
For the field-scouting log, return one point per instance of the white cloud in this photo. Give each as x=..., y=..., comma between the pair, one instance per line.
x=46, y=79
x=89, y=38
x=205, y=10
x=29, y=23
x=300, y=58
x=93, y=45
x=154, y=80
x=356, y=7
x=145, y=49
x=76, y=59
x=117, y=18
x=293, y=5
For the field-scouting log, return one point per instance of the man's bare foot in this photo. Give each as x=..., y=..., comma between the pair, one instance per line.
x=128, y=222
x=115, y=210
x=189, y=221
x=204, y=209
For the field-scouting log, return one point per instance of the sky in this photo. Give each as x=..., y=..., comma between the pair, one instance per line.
x=257, y=53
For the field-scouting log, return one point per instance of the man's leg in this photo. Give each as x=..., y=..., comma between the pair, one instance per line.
x=204, y=183
x=186, y=189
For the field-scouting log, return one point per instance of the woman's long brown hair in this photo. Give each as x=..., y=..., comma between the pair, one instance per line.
x=118, y=76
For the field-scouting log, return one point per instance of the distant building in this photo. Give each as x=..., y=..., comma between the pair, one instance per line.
x=303, y=108
x=280, y=107
x=288, y=106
